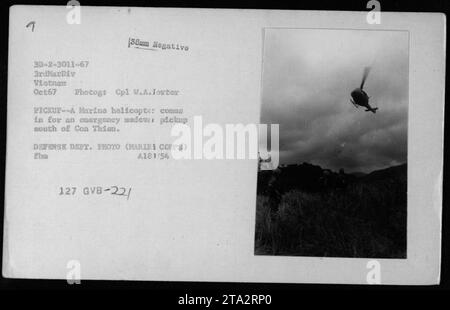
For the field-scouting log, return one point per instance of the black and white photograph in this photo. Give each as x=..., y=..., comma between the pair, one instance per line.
x=340, y=98
x=223, y=154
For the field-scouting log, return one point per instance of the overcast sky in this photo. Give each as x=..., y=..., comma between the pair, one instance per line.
x=308, y=75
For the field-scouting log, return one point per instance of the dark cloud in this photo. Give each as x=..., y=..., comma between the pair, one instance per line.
x=307, y=79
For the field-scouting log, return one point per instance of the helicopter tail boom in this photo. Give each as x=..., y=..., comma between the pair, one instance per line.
x=373, y=110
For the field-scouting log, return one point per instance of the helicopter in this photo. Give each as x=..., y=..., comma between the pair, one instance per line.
x=360, y=97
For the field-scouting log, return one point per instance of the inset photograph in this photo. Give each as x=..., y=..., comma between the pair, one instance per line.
x=340, y=98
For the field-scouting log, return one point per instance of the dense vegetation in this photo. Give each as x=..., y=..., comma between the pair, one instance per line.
x=305, y=210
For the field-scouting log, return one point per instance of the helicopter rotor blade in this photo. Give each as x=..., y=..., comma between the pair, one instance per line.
x=365, y=74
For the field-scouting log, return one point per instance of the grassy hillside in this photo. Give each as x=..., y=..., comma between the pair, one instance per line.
x=305, y=210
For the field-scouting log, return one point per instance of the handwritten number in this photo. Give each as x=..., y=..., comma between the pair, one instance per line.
x=32, y=23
